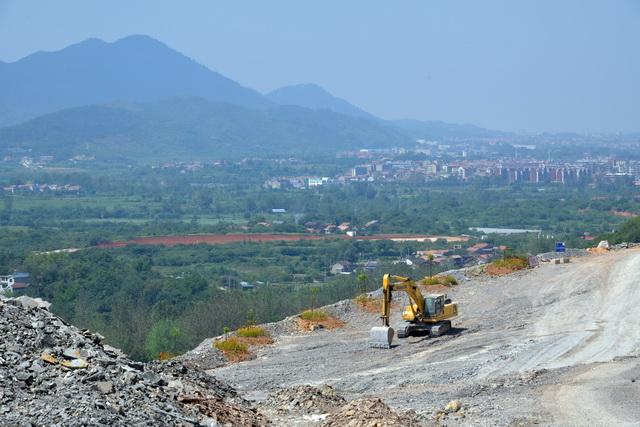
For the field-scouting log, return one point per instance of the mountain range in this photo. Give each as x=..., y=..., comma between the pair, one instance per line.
x=138, y=97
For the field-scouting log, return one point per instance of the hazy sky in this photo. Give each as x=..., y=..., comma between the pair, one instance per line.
x=516, y=65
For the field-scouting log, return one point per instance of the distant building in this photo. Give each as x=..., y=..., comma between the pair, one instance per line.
x=359, y=171
x=278, y=211
x=246, y=286
x=344, y=226
x=371, y=265
x=480, y=248
x=342, y=267
x=14, y=282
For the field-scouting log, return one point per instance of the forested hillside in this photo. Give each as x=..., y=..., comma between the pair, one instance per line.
x=188, y=128
x=627, y=232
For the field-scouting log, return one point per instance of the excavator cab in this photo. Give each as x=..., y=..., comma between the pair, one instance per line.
x=434, y=305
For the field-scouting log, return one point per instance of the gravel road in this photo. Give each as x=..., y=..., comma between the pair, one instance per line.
x=527, y=349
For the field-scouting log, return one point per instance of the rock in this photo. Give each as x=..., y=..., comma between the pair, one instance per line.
x=104, y=387
x=604, y=244
x=31, y=303
x=71, y=353
x=24, y=376
x=75, y=363
x=453, y=406
x=37, y=367
x=49, y=358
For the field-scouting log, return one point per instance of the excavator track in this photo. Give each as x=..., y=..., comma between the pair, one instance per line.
x=433, y=329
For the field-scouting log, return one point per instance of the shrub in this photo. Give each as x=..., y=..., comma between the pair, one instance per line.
x=165, y=355
x=512, y=263
x=364, y=299
x=231, y=345
x=251, y=332
x=447, y=280
x=314, y=315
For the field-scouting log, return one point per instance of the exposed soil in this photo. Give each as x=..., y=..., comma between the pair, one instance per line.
x=255, y=341
x=436, y=289
x=312, y=325
x=369, y=304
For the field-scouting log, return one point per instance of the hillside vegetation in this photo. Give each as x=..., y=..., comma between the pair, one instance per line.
x=627, y=232
x=193, y=127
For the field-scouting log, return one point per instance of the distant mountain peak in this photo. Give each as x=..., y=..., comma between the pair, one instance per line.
x=310, y=95
x=135, y=68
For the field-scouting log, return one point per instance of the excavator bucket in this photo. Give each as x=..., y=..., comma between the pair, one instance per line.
x=381, y=337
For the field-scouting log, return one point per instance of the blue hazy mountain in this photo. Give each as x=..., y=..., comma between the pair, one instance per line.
x=437, y=129
x=314, y=97
x=135, y=68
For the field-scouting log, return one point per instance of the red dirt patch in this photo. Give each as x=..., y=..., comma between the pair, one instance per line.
x=436, y=289
x=218, y=239
x=506, y=266
x=623, y=214
x=369, y=304
x=329, y=323
x=497, y=271
x=255, y=341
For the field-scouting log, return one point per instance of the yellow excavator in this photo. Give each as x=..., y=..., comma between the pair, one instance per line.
x=430, y=314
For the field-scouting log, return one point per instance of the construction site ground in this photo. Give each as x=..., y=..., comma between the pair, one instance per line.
x=554, y=345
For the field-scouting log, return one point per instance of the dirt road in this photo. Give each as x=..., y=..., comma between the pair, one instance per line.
x=524, y=350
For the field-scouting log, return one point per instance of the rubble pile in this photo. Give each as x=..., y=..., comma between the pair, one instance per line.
x=52, y=373
x=369, y=412
x=306, y=399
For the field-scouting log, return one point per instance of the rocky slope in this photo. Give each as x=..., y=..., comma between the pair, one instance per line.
x=52, y=373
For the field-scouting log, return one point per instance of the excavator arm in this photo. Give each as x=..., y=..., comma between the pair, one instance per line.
x=390, y=284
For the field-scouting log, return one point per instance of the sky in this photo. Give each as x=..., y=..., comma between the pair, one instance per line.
x=527, y=65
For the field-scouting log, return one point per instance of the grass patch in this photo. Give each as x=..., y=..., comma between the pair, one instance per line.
x=166, y=355
x=234, y=350
x=251, y=332
x=447, y=280
x=253, y=335
x=314, y=315
x=507, y=265
x=231, y=344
